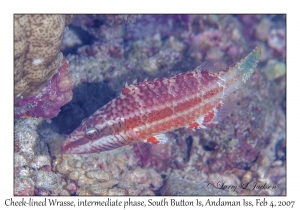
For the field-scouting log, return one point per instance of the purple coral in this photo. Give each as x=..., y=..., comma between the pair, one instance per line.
x=47, y=103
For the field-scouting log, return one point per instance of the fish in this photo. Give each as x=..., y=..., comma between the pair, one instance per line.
x=144, y=112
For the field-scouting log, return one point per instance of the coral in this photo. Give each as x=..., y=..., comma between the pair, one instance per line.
x=106, y=62
x=36, y=51
x=148, y=178
x=216, y=37
x=47, y=181
x=47, y=103
x=274, y=69
x=32, y=170
x=270, y=30
x=263, y=28
x=96, y=68
x=118, y=19
x=23, y=187
x=108, y=173
x=70, y=39
x=207, y=39
x=91, y=20
x=276, y=40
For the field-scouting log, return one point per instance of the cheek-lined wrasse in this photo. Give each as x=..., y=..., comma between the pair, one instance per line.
x=144, y=112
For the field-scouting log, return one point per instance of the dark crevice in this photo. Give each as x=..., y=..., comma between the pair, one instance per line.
x=84, y=36
x=87, y=98
x=189, y=144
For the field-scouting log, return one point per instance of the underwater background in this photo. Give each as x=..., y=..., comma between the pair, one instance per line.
x=247, y=149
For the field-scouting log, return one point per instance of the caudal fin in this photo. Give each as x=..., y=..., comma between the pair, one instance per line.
x=247, y=64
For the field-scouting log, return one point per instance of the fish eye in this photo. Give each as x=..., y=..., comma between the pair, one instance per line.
x=92, y=132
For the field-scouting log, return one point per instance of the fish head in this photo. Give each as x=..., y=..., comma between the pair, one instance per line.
x=80, y=141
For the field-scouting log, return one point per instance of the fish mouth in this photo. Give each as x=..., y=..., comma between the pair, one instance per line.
x=72, y=147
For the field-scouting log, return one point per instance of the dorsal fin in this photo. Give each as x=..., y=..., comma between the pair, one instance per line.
x=125, y=89
x=144, y=82
x=134, y=82
x=212, y=66
x=128, y=88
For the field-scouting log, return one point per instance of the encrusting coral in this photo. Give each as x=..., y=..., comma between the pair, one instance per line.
x=47, y=103
x=42, y=81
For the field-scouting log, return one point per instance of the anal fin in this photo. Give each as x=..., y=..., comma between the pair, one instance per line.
x=222, y=111
x=144, y=147
x=158, y=139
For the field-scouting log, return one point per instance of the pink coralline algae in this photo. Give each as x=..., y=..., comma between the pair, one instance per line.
x=47, y=103
x=276, y=41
